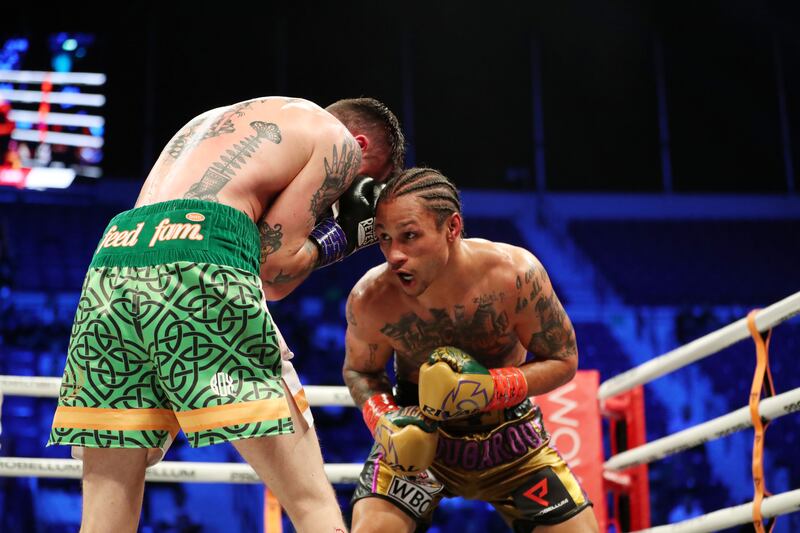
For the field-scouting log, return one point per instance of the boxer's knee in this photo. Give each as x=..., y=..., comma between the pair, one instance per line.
x=376, y=515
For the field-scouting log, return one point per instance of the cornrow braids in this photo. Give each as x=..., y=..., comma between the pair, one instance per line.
x=439, y=194
x=364, y=113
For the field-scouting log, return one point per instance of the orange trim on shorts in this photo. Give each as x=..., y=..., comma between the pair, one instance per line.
x=101, y=418
x=301, y=400
x=234, y=414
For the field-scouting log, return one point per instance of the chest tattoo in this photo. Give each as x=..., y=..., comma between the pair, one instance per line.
x=485, y=333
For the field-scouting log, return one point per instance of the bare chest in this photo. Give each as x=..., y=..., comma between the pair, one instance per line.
x=481, y=326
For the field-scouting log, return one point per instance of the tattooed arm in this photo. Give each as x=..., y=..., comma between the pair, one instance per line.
x=544, y=327
x=287, y=255
x=366, y=353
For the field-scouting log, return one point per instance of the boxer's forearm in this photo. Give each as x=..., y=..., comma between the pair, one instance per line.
x=282, y=274
x=363, y=386
x=547, y=375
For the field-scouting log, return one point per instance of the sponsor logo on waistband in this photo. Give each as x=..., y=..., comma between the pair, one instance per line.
x=170, y=232
x=125, y=239
x=503, y=446
x=164, y=231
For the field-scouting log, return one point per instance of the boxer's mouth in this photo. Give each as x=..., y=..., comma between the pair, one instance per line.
x=405, y=278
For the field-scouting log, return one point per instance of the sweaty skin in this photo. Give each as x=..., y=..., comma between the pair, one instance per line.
x=494, y=301
x=282, y=161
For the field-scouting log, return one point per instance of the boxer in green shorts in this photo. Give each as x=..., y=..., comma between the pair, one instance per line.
x=170, y=332
x=172, y=329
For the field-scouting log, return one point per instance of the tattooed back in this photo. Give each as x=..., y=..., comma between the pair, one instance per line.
x=244, y=155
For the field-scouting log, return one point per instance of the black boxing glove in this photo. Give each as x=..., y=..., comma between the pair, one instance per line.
x=353, y=227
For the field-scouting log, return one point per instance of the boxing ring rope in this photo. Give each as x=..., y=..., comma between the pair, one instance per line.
x=47, y=387
x=770, y=408
x=786, y=502
x=699, y=348
x=738, y=420
x=166, y=471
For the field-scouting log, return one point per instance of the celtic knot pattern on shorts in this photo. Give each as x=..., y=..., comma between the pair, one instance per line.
x=180, y=336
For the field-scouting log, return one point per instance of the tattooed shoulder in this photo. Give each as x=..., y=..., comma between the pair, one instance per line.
x=529, y=285
x=183, y=139
x=556, y=339
x=190, y=136
x=349, y=314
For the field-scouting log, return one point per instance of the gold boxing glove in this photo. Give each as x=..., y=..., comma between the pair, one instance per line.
x=452, y=384
x=407, y=440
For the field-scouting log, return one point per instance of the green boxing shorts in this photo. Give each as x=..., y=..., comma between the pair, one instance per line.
x=172, y=332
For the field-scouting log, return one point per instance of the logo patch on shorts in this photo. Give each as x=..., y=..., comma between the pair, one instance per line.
x=544, y=495
x=416, y=494
x=222, y=384
x=195, y=217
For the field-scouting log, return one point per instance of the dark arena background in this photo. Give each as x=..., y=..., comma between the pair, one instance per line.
x=647, y=152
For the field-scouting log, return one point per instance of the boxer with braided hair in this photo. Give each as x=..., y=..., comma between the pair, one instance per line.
x=459, y=316
x=439, y=194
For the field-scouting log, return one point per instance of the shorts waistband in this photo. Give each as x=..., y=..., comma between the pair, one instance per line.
x=180, y=230
x=504, y=443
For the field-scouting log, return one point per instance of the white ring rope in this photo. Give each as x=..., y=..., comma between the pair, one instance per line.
x=47, y=387
x=771, y=408
x=167, y=471
x=699, y=348
x=783, y=503
x=174, y=471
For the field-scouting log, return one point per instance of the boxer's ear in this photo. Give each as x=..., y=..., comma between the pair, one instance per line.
x=454, y=225
x=362, y=141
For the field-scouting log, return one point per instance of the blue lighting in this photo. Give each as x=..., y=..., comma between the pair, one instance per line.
x=69, y=89
x=69, y=45
x=19, y=45
x=62, y=63
x=10, y=54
